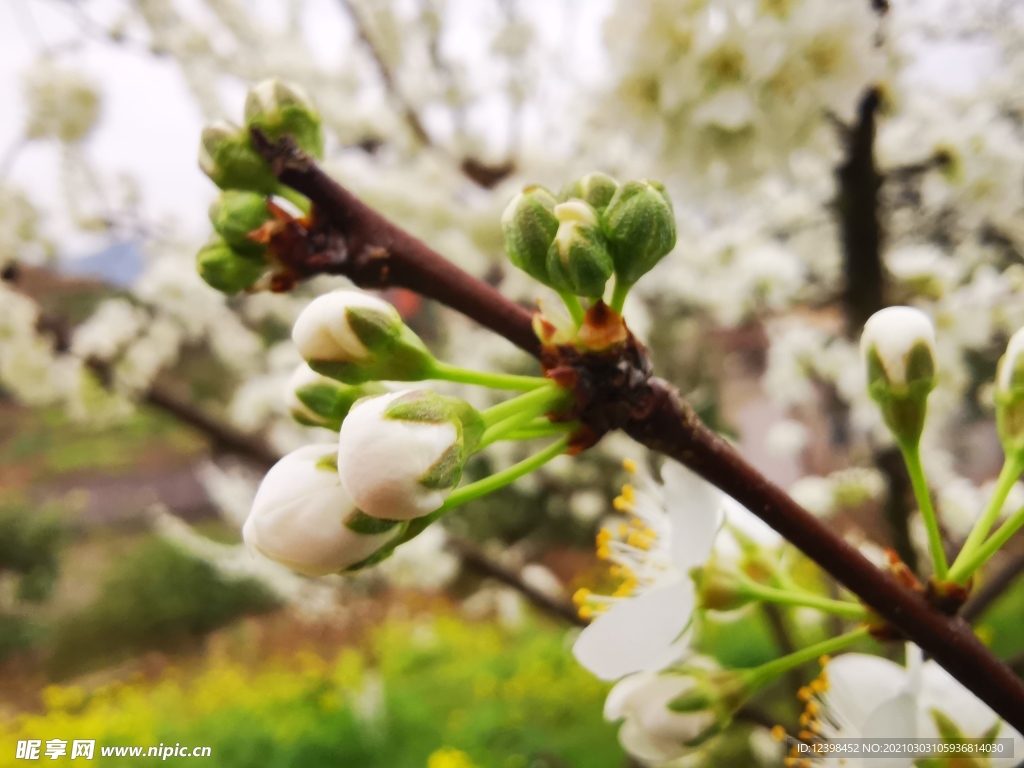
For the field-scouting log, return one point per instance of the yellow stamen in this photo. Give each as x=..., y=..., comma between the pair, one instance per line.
x=804, y=694
x=629, y=465
x=778, y=733
x=824, y=660
x=629, y=493
x=581, y=595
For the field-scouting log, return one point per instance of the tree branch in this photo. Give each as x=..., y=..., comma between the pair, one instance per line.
x=657, y=418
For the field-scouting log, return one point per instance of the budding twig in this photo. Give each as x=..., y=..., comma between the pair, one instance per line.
x=380, y=254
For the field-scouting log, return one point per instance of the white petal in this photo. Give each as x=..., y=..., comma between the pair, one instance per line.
x=695, y=510
x=939, y=690
x=614, y=705
x=894, y=719
x=634, y=633
x=858, y=685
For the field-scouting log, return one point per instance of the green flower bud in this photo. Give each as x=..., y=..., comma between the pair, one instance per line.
x=597, y=189
x=578, y=259
x=225, y=269
x=719, y=588
x=714, y=693
x=227, y=156
x=318, y=401
x=1009, y=396
x=529, y=224
x=898, y=348
x=281, y=110
x=354, y=337
x=641, y=228
x=235, y=214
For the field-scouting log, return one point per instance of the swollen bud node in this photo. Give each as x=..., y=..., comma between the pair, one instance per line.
x=641, y=227
x=578, y=259
x=227, y=156
x=529, y=225
x=898, y=348
x=596, y=189
x=227, y=270
x=235, y=214
x=279, y=109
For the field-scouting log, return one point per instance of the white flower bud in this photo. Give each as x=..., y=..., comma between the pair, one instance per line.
x=354, y=337
x=400, y=454
x=303, y=518
x=227, y=156
x=654, y=728
x=1009, y=395
x=898, y=348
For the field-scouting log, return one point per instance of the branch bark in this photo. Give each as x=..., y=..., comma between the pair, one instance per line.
x=660, y=420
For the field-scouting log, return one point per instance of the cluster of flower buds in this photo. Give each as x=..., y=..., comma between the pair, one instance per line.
x=398, y=456
x=233, y=261
x=594, y=228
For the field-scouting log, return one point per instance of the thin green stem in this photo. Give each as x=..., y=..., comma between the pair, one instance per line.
x=1012, y=467
x=842, y=608
x=912, y=458
x=448, y=372
x=772, y=670
x=297, y=199
x=505, y=426
x=965, y=567
x=535, y=403
x=572, y=303
x=547, y=429
x=619, y=294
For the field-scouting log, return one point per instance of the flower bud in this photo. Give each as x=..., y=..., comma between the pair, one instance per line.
x=227, y=156
x=596, y=189
x=279, y=110
x=401, y=454
x=1009, y=395
x=578, y=259
x=303, y=518
x=227, y=270
x=529, y=224
x=318, y=401
x=354, y=337
x=666, y=715
x=641, y=228
x=898, y=347
x=235, y=214
x=719, y=588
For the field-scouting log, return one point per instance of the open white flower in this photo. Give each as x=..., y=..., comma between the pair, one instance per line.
x=864, y=696
x=400, y=454
x=304, y=519
x=669, y=530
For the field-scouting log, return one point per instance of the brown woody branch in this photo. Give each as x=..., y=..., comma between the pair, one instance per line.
x=377, y=254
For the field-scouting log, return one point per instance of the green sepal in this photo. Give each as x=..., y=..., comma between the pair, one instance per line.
x=360, y=522
x=379, y=556
x=641, y=228
x=328, y=462
x=290, y=114
x=228, y=271
x=903, y=406
x=331, y=403
x=446, y=472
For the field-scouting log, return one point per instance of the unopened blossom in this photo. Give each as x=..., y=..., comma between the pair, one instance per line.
x=665, y=531
x=1009, y=395
x=355, y=337
x=648, y=703
x=401, y=454
x=303, y=517
x=318, y=401
x=900, y=343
